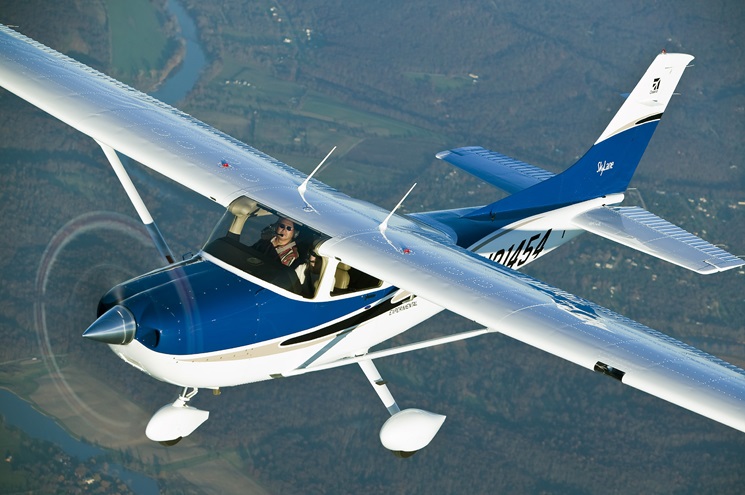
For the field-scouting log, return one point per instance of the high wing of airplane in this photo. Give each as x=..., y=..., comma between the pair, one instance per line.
x=356, y=275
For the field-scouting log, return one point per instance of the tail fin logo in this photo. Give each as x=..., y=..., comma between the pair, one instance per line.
x=604, y=166
x=655, y=86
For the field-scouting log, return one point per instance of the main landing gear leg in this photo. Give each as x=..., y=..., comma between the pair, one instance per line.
x=174, y=421
x=407, y=431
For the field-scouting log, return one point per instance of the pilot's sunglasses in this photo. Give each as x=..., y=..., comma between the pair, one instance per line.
x=282, y=226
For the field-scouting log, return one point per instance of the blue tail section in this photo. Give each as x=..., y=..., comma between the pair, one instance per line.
x=605, y=169
x=609, y=165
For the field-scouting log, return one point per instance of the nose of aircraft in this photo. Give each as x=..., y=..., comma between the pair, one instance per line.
x=115, y=326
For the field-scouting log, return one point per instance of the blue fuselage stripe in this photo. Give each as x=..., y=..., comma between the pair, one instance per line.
x=198, y=307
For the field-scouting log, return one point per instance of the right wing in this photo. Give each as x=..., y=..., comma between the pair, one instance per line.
x=555, y=321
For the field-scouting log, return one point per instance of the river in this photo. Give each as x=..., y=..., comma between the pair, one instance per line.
x=21, y=414
x=186, y=75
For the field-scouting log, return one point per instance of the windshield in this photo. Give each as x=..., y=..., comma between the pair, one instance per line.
x=268, y=246
x=282, y=252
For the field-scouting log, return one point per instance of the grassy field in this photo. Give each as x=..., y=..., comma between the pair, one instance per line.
x=330, y=110
x=245, y=87
x=440, y=82
x=138, y=43
x=299, y=126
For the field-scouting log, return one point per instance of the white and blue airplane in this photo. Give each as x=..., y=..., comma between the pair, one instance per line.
x=364, y=274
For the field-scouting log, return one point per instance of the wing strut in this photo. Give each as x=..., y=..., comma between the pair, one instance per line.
x=134, y=197
x=422, y=344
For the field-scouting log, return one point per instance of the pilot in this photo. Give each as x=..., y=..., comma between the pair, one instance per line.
x=282, y=243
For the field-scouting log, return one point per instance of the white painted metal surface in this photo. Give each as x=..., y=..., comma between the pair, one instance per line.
x=419, y=261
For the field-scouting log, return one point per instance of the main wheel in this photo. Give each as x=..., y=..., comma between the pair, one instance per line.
x=171, y=443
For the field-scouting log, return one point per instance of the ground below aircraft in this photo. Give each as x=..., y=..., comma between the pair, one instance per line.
x=299, y=277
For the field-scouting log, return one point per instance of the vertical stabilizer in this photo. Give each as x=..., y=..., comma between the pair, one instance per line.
x=609, y=164
x=650, y=96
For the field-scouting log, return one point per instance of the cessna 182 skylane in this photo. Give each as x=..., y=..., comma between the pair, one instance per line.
x=214, y=320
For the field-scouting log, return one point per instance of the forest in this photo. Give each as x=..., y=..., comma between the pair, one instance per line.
x=392, y=84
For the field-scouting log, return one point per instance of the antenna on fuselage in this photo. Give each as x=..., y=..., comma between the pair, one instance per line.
x=302, y=187
x=384, y=225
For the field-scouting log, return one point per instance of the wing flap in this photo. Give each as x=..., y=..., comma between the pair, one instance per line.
x=499, y=170
x=639, y=229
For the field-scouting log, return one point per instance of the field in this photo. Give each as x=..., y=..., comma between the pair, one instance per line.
x=389, y=84
x=140, y=42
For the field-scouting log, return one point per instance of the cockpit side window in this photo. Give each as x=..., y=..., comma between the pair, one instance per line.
x=348, y=279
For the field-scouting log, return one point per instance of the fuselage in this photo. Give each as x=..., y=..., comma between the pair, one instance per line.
x=200, y=324
x=215, y=321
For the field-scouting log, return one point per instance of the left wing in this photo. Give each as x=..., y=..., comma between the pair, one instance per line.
x=424, y=262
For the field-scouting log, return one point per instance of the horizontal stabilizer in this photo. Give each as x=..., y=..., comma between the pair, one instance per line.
x=499, y=170
x=639, y=229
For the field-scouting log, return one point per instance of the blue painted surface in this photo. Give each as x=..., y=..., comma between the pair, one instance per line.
x=501, y=171
x=197, y=307
x=606, y=168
